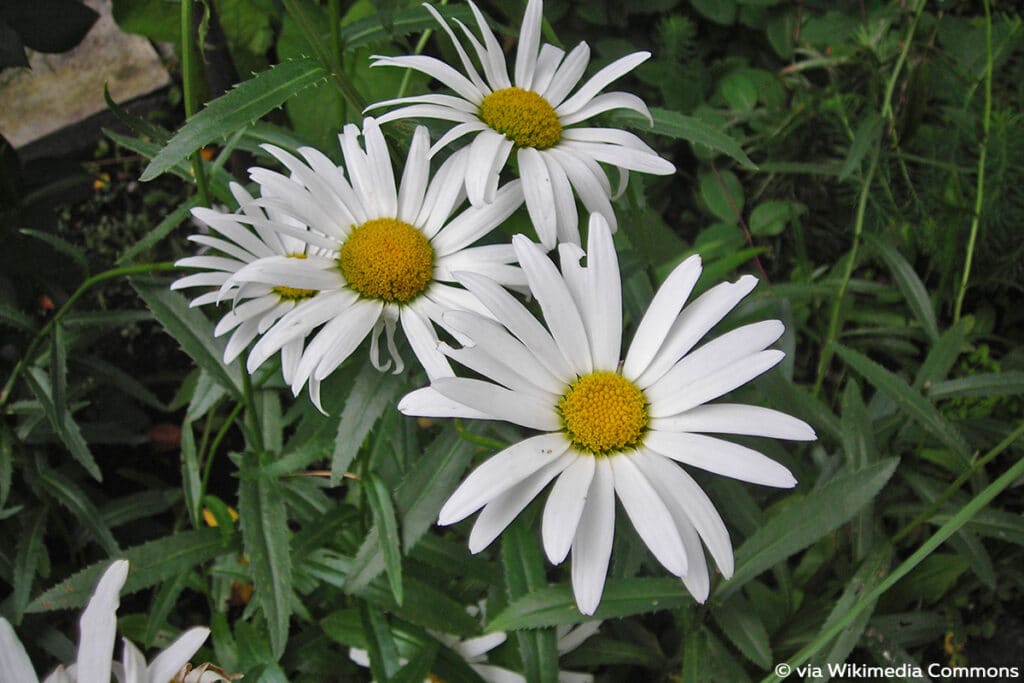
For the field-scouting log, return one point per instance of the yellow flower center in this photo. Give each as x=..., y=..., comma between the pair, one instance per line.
x=604, y=413
x=387, y=259
x=294, y=293
x=522, y=116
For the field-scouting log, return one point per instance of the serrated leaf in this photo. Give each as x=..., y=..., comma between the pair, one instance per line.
x=745, y=630
x=68, y=494
x=383, y=511
x=371, y=394
x=380, y=645
x=236, y=109
x=555, y=605
x=417, y=669
x=524, y=573
x=806, y=519
x=868, y=133
x=909, y=284
x=369, y=30
x=264, y=521
x=136, y=124
x=64, y=426
x=681, y=127
x=62, y=246
x=911, y=402
x=942, y=355
x=27, y=556
x=419, y=497
x=151, y=563
x=163, y=603
x=193, y=331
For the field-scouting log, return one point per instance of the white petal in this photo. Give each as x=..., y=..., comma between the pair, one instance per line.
x=693, y=323
x=299, y=322
x=623, y=157
x=604, y=295
x=529, y=42
x=730, y=348
x=698, y=507
x=343, y=338
x=607, y=102
x=427, y=402
x=500, y=473
x=590, y=186
x=500, y=512
x=715, y=384
x=415, y=176
x=721, y=457
x=477, y=221
x=254, y=308
x=467, y=63
x=497, y=73
x=15, y=666
x=660, y=316
x=598, y=81
x=576, y=636
x=134, y=663
x=99, y=624
x=520, y=323
x=487, y=155
x=567, y=75
x=592, y=546
x=178, y=654
x=492, y=338
x=557, y=305
x=423, y=341
x=547, y=61
x=564, y=507
x=280, y=271
x=495, y=368
x=736, y=418
x=538, y=191
x=444, y=193
x=434, y=68
x=568, y=222
x=502, y=404
x=648, y=513
x=457, y=131
x=471, y=648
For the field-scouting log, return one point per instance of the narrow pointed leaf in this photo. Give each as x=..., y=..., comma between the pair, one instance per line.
x=379, y=497
x=524, y=573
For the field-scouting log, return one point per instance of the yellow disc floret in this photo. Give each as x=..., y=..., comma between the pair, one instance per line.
x=604, y=413
x=522, y=116
x=387, y=259
x=294, y=293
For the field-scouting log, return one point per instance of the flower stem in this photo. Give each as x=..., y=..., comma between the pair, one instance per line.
x=190, y=92
x=979, y=194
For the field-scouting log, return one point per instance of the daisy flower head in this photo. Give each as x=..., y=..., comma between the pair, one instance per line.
x=609, y=429
x=240, y=239
x=535, y=115
x=377, y=254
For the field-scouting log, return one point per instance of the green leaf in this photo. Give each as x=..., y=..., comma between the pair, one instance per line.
x=695, y=655
x=28, y=554
x=723, y=194
x=371, y=394
x=369, y=31
x=942, y=355
x=1006, y=383
x=555, y=605
x=62, y=246
x=380, y=645
x=238, y=108
x=379, y=498
x=264, y=521
x=719, y=11
x=158, y=233
x=805, y=519
x=151, y=563
x=858, y=440
x=418, y=668
x=741, y=625
x=870, y=573
x=524, y=574
x=163, y=604
x=911, y=402
x=909, y=284
x=868, y=134
x=193, y=331
x=675, y=125
x=773, y=216
x=63, y=424
x=419, y=498
x=739, y=91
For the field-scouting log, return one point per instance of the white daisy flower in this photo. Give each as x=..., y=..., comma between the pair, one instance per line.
x=535, y=116
x=386, y=257
x=243, y=238
x=609, y=428
x=474, y=652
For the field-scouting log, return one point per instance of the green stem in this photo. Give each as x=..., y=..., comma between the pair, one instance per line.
x=959, y=482
x=190, y=93
x=252, y=417
x=980, y=191
x=5, y=394
x=221, y=433
x=326, y=58
x=955, y=523
x=828, y=348
x=421, y=45
x=469, y=436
